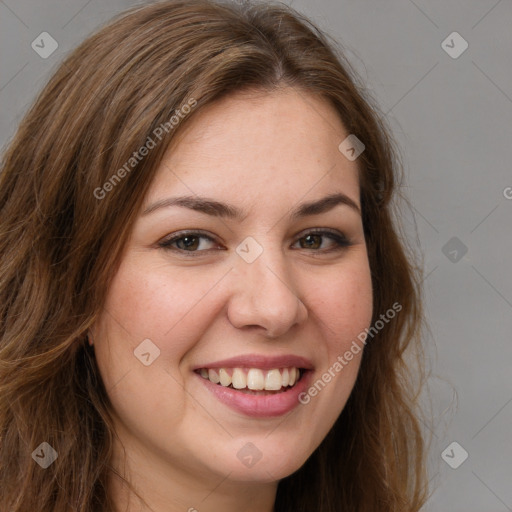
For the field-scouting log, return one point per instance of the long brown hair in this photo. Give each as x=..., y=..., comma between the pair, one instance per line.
x=61, y=242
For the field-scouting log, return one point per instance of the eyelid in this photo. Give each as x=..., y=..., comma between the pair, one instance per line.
x=341, y=241
x=166, y=242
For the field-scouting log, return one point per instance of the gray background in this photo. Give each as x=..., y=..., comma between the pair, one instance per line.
x=451, y=118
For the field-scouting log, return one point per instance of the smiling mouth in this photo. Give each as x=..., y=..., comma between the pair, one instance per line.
x=254, y=381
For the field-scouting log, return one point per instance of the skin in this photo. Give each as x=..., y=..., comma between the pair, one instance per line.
x=265, y=153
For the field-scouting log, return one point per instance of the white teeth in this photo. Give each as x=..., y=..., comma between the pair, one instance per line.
x=252, y=378
x=273, y=380
x=255, y=379
x=293, y=376
x=225, y=378
x=213, y=376
x=285, y=377
x=238, y=379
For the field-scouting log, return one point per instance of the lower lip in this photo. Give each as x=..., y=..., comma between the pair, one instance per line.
x=260, y=406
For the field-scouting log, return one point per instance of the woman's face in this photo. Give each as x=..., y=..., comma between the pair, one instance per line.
x=251, y=294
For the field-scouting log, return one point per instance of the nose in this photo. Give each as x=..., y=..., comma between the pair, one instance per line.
x=265, y=296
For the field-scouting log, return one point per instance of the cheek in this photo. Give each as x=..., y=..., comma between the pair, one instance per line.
x=173, y=309
x=168, y=308
x=160, y=304
x=343, y=304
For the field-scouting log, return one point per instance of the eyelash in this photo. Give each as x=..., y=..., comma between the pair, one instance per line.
x=340, y=240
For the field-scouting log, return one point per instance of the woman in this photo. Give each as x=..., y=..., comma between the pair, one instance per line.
x=205, y=301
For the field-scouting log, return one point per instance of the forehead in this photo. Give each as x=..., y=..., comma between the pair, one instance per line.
x=259, y=147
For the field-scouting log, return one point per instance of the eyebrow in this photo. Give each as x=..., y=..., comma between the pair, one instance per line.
x=218, y=209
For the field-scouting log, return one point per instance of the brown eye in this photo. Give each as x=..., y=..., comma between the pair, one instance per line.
x=314, y=239
x=185, y=242
x=189, y=242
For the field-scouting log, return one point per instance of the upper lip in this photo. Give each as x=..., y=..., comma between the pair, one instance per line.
x=260, y=361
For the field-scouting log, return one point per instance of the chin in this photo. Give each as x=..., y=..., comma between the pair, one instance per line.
x=262, y=461
x=263, y=472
